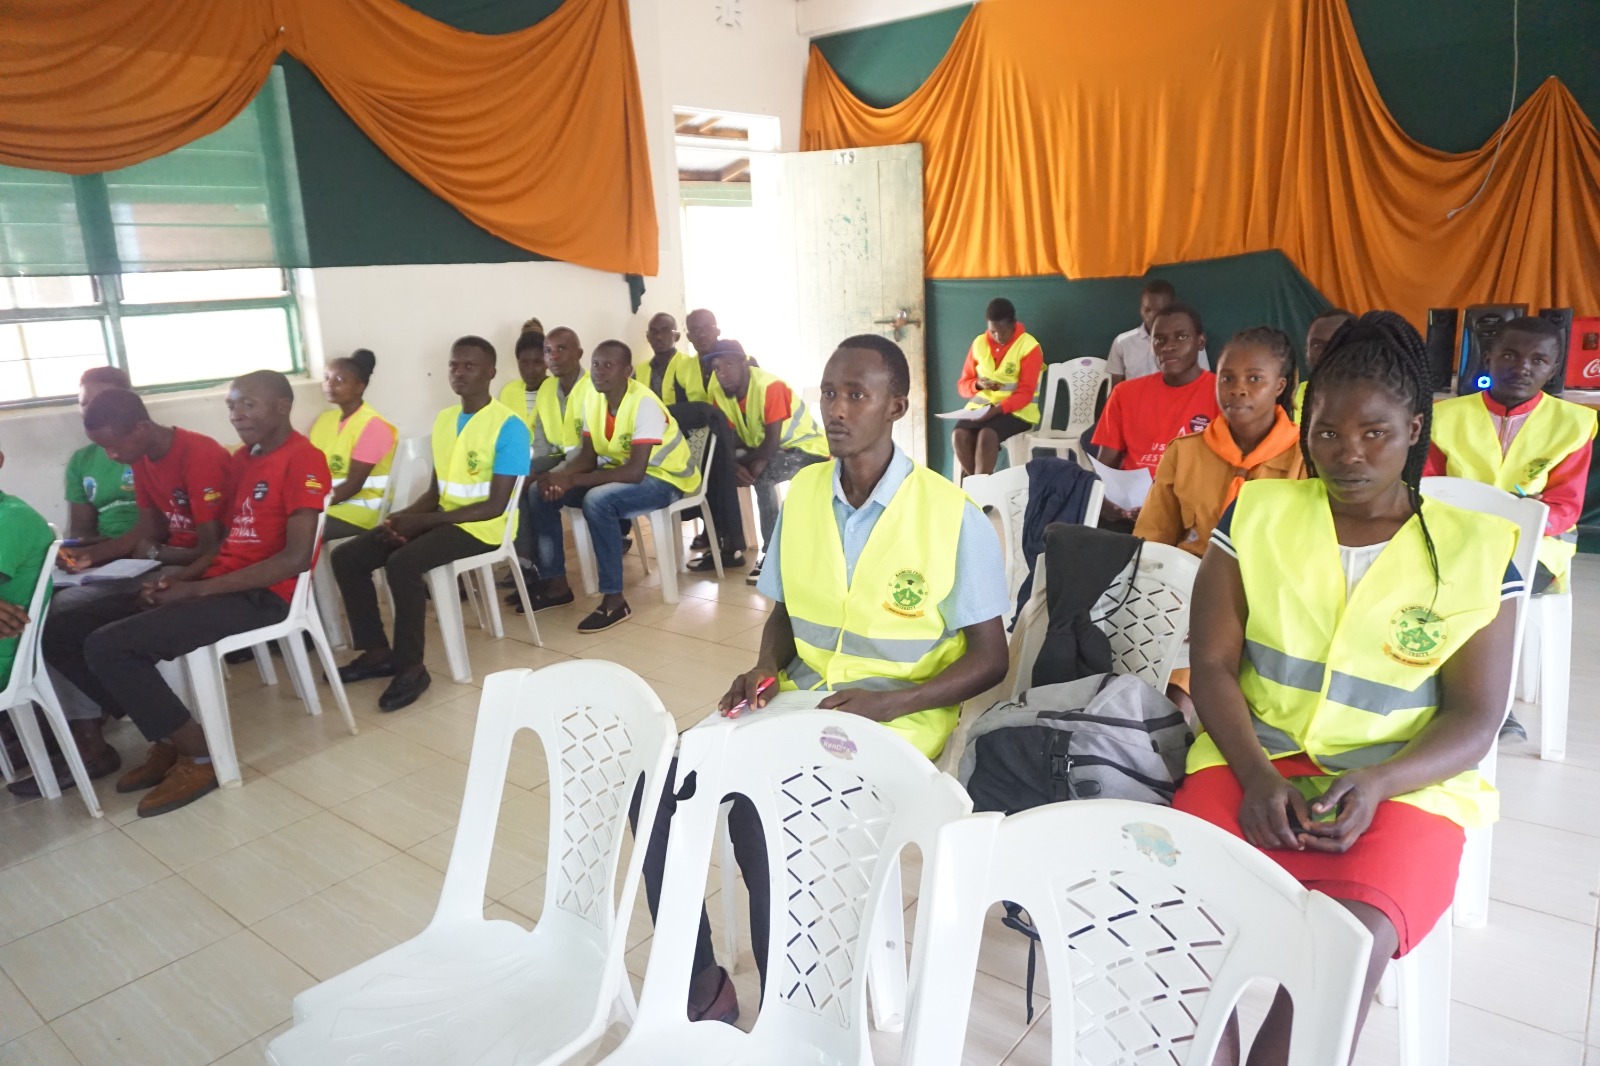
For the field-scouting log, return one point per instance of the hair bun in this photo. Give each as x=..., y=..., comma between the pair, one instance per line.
x=363, y=358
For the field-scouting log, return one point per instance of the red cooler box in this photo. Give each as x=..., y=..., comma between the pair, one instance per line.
x=1583, y=354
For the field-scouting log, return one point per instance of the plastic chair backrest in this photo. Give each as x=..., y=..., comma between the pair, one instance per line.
x=412, y=463
x=1152, y=924
x=1086, y=376
x=300, y=600
x=603, y=730
x=702, y=446
x=1147, y=621
x=26, y=660
x=1007, y=492
x=838, y=798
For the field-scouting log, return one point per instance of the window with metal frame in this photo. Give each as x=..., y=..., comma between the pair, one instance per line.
x=178, y=269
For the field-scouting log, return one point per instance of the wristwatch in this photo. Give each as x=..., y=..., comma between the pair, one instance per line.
x=153, y=553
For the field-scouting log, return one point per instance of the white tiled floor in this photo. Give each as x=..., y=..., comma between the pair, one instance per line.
x=182, y=939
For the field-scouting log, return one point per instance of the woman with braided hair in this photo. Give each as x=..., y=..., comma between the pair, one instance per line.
x=1351, y=655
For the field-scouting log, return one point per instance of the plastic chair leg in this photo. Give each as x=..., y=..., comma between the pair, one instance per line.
x=1531, y=661
x=45, y=692
x=488, y=602
x=305, y=683
x=660, y=522
x=747, y=513
x=730, y=891
x=886, y=957
x=638, y=544
x=1424, y=993
x=467, y=585
x=452, y=628
x=27, y=727
x=268, y=672
x=711, y=538
x=326, y=594
x=1472, y=886
x=7, y=771
x=211, y=710
x=330, y=672
x=522, y=590
x=585, y=549
x=1555, y=672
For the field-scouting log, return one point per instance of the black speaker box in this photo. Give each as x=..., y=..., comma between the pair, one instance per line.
x=1479, y=324
x=1561, y=317
x=1442, y=345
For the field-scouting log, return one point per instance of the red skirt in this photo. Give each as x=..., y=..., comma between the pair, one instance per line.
x=1405, y=864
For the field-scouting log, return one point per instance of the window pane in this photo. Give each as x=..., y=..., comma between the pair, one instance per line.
x=39, y=231
x=183, y=286
x=70, y=291
x=40, y=359
x=206, y=345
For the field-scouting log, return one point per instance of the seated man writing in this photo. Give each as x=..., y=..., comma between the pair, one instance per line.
x=25, y=539
x=633, y=460
x=111, y=649
x=480, y=448
x=101, y=500
x=898, y=560
x=775, y=430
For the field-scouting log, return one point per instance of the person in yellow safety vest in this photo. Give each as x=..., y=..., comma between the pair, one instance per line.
x=670, y=373
x=1351, y=659
x=1001, y=379
x=776, y=437
x=633, y=460
x=696, y=411
x=889, y=588
x=480, y=448
x=359, y=444
x=1516, y=438
x=521, y=394
x=1318, y=334
x=558, y=409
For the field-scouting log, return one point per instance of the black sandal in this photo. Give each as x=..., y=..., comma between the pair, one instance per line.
x=724, y=1006
x=603, y=619
x=705, y=564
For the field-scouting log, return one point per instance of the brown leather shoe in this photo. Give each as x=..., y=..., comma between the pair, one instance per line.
x=106, y=762
x=156, y=764
x=186, y=782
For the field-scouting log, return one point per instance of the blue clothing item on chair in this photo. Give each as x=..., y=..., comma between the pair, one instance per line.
x=1058, y=491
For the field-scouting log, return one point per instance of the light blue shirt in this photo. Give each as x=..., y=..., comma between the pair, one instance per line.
x=979, y=593
x=510, y=447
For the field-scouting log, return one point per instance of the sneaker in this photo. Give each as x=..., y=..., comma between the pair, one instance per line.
x=700, y=543
x=755, y=571
x=1513, y=729
x=157, y=763
x=186, y=782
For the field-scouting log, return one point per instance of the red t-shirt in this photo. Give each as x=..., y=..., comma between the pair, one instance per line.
x=1146, y=414
x=267, y=490
x=189, y=485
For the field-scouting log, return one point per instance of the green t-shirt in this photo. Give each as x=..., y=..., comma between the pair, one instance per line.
x=25, y=539
x=93, y=477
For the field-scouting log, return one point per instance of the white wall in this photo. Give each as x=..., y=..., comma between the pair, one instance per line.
x=820, y=17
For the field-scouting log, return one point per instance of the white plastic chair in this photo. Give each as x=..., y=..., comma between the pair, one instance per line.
x=28, y=684
x=838, y=798
x=1082, y=377
x=1007, y=492
x=670, y=554
x=442, y=584
x=1546, y=668
x=471, y=991
x=208, y=694
x=1152, y=924
x=410, y=456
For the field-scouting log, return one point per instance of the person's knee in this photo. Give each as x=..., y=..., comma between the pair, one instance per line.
x=1385, y=937
x=114, y=639
x=599, y=504
x=988, y=436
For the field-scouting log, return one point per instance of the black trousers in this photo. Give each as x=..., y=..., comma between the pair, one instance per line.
x=404, y=565
x=109, y=648
x=749, y=850
x=338, y=529
x=722, y=491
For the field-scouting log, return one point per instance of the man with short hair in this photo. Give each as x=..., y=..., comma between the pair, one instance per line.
x=695, y=411
x=1132, y=354
x=670, y=373
x=1001, y=382
x=896, y=559
x=101, y=500
x=633, y=460
x=480, y=448
x=111, y=650
x=520, y=394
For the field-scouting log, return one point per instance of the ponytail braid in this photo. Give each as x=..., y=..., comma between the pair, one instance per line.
x=1383, y=349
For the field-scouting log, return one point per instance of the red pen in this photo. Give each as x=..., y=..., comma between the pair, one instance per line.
x=744, y=705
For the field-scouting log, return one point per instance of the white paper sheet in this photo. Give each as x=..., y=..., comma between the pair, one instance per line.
x=963, y=414
x=115, y=570
x=1126, y=489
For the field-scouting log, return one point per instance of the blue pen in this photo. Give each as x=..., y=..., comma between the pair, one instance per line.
x=1518, y=490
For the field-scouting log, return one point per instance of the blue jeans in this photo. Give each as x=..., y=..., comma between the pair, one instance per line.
x=604, y=507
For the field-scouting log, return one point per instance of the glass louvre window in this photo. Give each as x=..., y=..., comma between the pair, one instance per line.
x=175, y=269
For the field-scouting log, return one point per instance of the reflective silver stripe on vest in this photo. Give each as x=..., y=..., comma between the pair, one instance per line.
x=371, y=503
x=1356, y=758
x=658, y=454
x=1275, y=740
x=805, y=677
x=879, y=684
x=1004, y=388
x=818, y=636
x=374, y=481
x=802, y=675
x=462, y=491
x=887, y=649
x=1570, y=537
x=791, y=431
x=1285, y=669
x=1378, y=698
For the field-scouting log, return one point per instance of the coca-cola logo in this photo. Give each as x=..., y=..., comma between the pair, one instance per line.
x=1593, y=369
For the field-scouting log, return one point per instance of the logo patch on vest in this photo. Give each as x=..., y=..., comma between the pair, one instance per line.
x=474, y=462
x=1534, y=469
x=1416, y=636
x=907, y=590
x=336, y=465
x=837, y=742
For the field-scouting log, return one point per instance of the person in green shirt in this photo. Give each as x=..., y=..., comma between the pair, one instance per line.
x=25, y=539
x=100, y=496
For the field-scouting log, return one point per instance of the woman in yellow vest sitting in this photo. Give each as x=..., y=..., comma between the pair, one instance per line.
x=778, y=437
x=633, y=460
x=1001, y=379
x=480, y=448
x=359, y=444
x=1352, y=657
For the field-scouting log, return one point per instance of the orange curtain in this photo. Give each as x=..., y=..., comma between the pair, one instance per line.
x=1098, y=138
x=537, y=136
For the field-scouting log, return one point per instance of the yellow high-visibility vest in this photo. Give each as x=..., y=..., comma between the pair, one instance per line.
x=1464, y=431
x=464, y=464
x=882, y=629
x=671, y=460
x=1006, y=373
x=1299, y=402
x=797, y=431
x=683, y=371
x=515, y=396
x=1351, y=683
x=337, y=442
x=562, y=426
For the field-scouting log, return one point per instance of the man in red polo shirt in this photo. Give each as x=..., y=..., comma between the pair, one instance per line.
x=280, y=481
